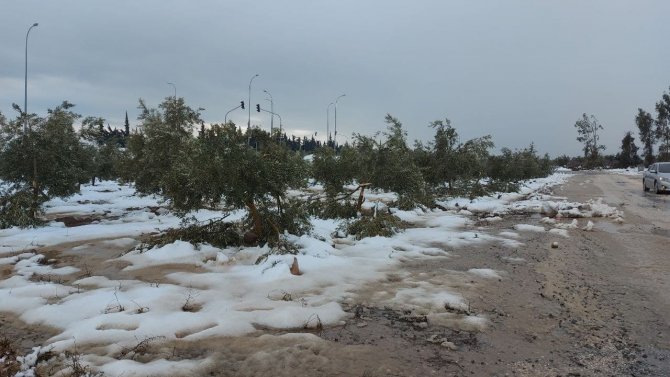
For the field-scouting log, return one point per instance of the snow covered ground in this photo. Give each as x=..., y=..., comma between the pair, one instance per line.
x=185, y=292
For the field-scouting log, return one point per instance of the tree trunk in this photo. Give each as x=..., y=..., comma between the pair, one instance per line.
x=361, y=197
x=36, y=189
x=256, y=218
x=280, y=209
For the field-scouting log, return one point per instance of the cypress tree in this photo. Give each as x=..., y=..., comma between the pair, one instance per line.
x=126, y=126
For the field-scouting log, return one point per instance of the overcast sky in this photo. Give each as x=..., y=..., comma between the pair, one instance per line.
x=521, y=71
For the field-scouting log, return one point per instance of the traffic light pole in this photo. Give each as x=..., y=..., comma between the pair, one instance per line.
x=259, y=109
x=225, y=118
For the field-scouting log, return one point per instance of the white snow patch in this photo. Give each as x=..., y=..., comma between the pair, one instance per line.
x=485, y=273
x=589, y=226
x=231, y=295
x=528, y=228
x=560, y=232
x=179, y=252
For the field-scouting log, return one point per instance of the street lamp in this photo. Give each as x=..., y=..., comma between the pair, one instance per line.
x=328, y=123
x=249, y=120
x=25, y=92
x=175, y=90
x=335, y=138
x=272, y=110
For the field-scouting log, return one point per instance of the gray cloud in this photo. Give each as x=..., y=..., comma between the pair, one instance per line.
x=521, y=71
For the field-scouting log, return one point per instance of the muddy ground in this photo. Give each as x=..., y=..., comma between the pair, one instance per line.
x=598, y=305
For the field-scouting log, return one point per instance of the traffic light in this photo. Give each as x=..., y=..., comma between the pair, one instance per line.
x=258, y=108
x=242, y=104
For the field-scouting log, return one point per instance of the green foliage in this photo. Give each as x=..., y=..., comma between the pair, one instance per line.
x=332, y=208
x=562, y=160
x=291, y=217
x=587, y=130
x=473, y=157
x=48, y=159
x=222, y=166
x=216, y=232
x=16, y=209
x=51, y=149
x=103, y=147
x=255, y=178
x=644, y=122
x=389, y=164
x=107, y=160
x=445, y=166
x=156, y=156
x=128, y=162
x=92, y=129
x=662, y=131
x=443, y=160
x=332, y=170
x=507, y=169
x=453, y=167
x=628, y=156
x=396, y=170
x=382, y=224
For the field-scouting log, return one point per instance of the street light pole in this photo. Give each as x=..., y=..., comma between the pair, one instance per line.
x=175, y=90
x=328, y=123
x=335, y=138
x=272, y=110
x=249, y=119
x=25, y=88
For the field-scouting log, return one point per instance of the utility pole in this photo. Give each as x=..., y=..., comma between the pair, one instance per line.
x=249, y=119
x=25, y=88
x=328, y=123
x=175, y=90
x=335, y=138
x=272, y=109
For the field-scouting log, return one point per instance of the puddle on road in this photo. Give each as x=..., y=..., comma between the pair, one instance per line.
x=653, y=200
x=661, y=232
x=614, y=228
x=609, y=227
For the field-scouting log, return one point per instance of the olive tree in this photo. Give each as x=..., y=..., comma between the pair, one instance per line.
x=389, y=164
x=164, y=140
x=222, y=166
x=47, y=160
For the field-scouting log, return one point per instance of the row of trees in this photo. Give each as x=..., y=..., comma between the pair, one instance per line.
x=445, y=166
x=655, y=130
x=652, y=131
x=221, y=166
x=588, y=128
